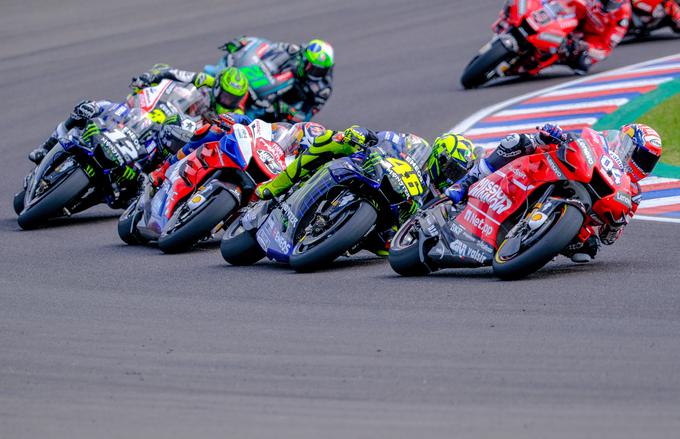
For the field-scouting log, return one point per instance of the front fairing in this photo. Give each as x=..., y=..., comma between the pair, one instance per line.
x=54, y=166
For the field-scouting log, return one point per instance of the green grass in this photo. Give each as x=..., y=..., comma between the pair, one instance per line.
x=665, y=118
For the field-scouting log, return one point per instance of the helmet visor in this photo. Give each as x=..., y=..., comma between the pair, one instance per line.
x=611, y=5
x=644, y=159
x=314, y=71
x=230, y=101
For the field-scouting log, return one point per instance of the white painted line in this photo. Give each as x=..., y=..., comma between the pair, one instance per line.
x=656, y=180
x=562, y=107
x=466, y=123
x=608, y=86
x=528, y=126
x=658, y=202
x=657, y=219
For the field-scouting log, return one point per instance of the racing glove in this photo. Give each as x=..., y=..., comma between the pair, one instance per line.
x=234, y=45
x=549, y=134
x=359, y=136
x=85, y=110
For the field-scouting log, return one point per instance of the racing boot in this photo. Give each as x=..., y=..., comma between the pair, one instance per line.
x=583, y=252
x=276, y=186
x=38, y=154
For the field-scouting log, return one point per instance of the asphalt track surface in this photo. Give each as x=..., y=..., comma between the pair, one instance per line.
x=98, y=339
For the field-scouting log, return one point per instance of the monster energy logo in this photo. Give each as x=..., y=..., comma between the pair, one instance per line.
x=128, y=173
x=89, y=170
x=90, y=131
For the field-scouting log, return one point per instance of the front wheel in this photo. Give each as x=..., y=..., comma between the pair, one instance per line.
x=565, y=224
x=127, y=226
x=187, y=227
x=481, y=68
x=53, y=202
x=239, y=246
x=404, y=255
x=322, y=245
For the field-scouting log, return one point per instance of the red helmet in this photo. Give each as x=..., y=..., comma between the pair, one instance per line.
x=640, y=146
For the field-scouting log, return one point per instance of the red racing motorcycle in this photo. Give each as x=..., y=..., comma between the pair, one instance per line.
x=527, y=39
x=648, y=16
x=521, y=216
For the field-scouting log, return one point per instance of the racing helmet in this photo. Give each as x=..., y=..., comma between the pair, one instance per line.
x=451, y=157
x=639, y=148
x=300, y=136
x=230, y=91
x=611, y=5
x=317, y=60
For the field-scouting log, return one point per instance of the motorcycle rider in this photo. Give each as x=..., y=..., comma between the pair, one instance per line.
x=228, y=90
x=450, y=157
x=637, y=147
x=602, y=26
x=171, y=135
x=311, y=66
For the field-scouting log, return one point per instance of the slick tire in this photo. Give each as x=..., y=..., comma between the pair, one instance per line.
x=477, y=72
x=344, y=238
x=19, y=201
x=239, y=246
x=565, y=227
x=199, y=225
x=53, y=202
x=127, y=226
x=405, y=259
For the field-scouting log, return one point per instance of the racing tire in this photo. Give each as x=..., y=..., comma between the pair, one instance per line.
x=19, y=201
x=127, y=226
x=405, y=259
x=477, y=71
x=53, y=202
x=343, y=239
x=239, y=246
x=564, y=228
x=199, y=225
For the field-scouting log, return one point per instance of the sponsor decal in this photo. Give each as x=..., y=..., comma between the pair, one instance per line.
x=463, y=250
x=281, y=241
x=292, y=219
x=624, y=199
x=491, y=194
x=555, y=168
x=478, y=223
x=586, y=151
x=268, y=159
x=518, y=172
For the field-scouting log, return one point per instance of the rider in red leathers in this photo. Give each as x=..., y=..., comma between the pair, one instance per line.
x=603, y=24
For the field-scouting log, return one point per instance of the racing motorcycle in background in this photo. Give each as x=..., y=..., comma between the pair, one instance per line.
x=349, y=204
x=263, y=83
x=527, y=40
x=101, y=163
x=648, y=16
x=203, y=190
x=521, y=216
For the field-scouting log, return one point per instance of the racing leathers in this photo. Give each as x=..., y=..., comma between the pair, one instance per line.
x=586, y=244
x=296, y=103
x=598, y=33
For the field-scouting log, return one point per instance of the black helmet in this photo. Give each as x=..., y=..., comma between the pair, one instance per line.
x=611, y=5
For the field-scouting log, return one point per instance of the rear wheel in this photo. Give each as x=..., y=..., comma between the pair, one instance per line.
x=323, y=243
x=560, y=229
x=405, y=251
x=480, y=68
x=52, y=203
x=239, y=246
x=187, y=226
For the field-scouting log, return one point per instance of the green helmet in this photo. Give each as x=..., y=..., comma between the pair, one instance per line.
x=452, y=155
x=230, y=91
x=318, y=59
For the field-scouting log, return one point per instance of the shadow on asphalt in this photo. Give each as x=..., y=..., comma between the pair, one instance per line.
x=11, y=225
